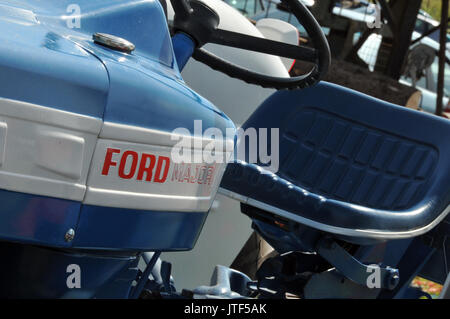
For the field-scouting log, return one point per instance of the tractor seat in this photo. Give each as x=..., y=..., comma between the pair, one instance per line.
x=349, y=164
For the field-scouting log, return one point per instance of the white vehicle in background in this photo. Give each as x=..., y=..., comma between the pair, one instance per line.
x=427, y=84
x=362, y=11
x=274, y=9
x=250, y=8
x=365, y=11
x=226, y=229
x=425, y=23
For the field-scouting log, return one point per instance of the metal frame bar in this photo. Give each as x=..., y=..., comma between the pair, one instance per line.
x=442, y=49
x=428, y=32
x=136, y=292
x=352, y=268
x=386, y=10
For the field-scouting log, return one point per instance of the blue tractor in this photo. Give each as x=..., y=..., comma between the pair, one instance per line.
x=93, y=111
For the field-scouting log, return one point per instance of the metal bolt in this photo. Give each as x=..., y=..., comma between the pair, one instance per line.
x=113, y=42
x=70, y=235
x=393, y=279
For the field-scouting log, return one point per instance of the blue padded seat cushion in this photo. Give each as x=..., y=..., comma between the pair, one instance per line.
x=350, y=163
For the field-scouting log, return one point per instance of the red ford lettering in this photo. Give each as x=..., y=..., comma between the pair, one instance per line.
x=158, y=177
x=147, y=164
x=123, y=162
x=108, y=160
x=128, y=165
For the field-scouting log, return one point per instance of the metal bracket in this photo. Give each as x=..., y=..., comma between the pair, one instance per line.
x=353, y=269
x=225, y=283
x=445, y=293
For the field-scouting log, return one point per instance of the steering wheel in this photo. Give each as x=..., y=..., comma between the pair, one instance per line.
x=200, y=22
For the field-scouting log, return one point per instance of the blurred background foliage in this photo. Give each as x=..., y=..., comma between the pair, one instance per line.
x=433, y=7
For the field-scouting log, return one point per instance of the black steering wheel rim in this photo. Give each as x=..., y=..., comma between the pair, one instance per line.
x=320, y=56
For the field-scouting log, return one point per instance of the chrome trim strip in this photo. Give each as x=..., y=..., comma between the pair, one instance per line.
x=155, y=202
x=367, y=233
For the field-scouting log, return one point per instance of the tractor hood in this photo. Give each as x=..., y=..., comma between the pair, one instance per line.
x=48, y=49
x=87, y=132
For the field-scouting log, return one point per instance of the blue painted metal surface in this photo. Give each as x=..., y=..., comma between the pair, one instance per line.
x=146, y=88
x=183, y=47
x=39, y=65
x=44, y=220
x=128, y=229
x=46, y=60
x=36, y=219
x=141, y=22
x=37, y=272
x=61, y=67
x=151, y=100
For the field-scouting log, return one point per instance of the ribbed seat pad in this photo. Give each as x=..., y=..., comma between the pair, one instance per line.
x=349, y=163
